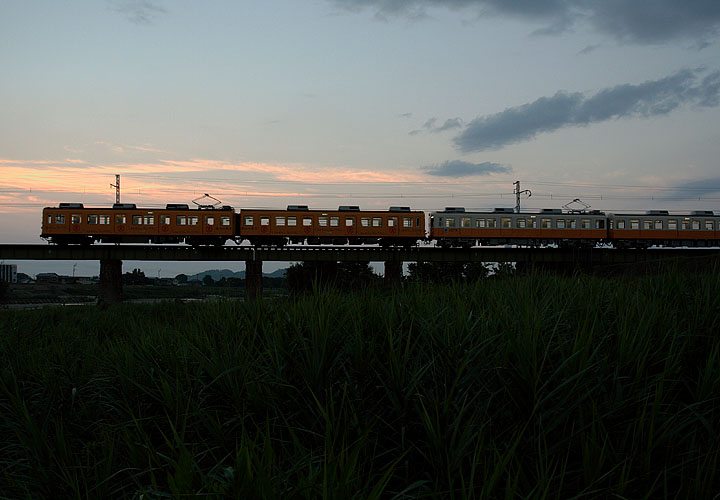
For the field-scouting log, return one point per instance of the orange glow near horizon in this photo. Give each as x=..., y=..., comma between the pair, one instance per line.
x=27, y=185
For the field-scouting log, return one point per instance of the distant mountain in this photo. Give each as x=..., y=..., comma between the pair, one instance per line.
x=218, y=274
x=280, y=273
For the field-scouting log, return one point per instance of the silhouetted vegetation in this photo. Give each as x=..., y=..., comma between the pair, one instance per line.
x=448, y=272
x=532, y=386
x=308, y=276
x=136, y=277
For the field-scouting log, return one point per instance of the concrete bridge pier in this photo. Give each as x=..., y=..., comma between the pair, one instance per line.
x=253, y=279
x=393, y=272
x=110, y=290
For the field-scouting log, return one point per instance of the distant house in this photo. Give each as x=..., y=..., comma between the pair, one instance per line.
x=8, y=273
x=47, y=278
x=24, y=278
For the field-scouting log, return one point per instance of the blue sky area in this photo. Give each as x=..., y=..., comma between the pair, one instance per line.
x=425, y=103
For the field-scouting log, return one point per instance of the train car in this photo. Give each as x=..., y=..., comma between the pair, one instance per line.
x=73, y=223
x=398, y=226
x=699, y=228
x=454, y=227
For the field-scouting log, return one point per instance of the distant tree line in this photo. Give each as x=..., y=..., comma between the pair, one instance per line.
x=304, y=277
x=450, y=272
x=137, y=277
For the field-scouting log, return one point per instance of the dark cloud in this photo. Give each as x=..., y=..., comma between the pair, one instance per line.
x=589, y=49
x=139, y=11
x=459, y=168
x=430, y=126
x=636, y=21
x=657, y=97
x=694, y=190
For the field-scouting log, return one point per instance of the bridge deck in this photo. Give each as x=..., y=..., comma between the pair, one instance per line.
x=348, y=254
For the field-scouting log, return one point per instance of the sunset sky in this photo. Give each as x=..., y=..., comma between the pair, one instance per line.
x=426, y=103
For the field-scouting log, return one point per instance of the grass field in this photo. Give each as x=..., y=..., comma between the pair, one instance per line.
x=527, y=387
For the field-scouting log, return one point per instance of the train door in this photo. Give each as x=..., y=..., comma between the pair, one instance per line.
x=349, y=222
x=393, y=228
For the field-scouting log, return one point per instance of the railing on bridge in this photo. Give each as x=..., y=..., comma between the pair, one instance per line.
x=347, y=253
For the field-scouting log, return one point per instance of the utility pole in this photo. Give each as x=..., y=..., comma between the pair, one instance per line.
x=117, y=188
x=517, y=195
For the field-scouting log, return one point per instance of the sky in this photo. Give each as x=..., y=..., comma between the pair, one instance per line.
x=426, y=103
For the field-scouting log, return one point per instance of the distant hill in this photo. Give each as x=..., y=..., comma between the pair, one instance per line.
x=218, y=274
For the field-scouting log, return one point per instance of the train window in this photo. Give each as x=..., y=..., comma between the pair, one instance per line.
x=407, y=221
x=492, y=223
x=182, y=220
x=647, y=224
x=349, y=222
x=545, y=224
x=193, y=220
x=377, y=222
x=572, y=223
x=209, y=220
x=75, y=219
x=621, y=224
x=585, y=224
x=672, y=224
x=264, y=220
x=120, y=219
x=365, y=222
x=600, y=224
x=696, y=224
x=149, y=220
x=658, y=224
x=449, y=222
x=709, y=225
x=104, y=219
x=92, y=219
x=165, y=220
x=60, y=219
x=634, y=224
x=334, y=221
x=479, y=222
x=323, y=221
x=225, y=220
x=280, y=220
x=465, y=222
x=137, y=220
x=532, y=222
x=560, y=223
x=249, y=221
x=686, y=224
x=506, y=222
x=520, y=223
x=292, y=221
x=307, y=221
x=49, y=219
x=417, y=222
x=391, y=222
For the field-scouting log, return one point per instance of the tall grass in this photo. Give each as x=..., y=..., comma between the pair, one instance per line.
x=528, y=387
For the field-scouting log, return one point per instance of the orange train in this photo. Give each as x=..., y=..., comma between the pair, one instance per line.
x=73, y=223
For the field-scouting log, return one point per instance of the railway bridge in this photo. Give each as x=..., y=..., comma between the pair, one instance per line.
x=111, y=257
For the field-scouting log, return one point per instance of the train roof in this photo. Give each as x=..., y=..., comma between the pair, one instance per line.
x=341, y=209
x=665, y=213
x=133, y=206
x=544, y=212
